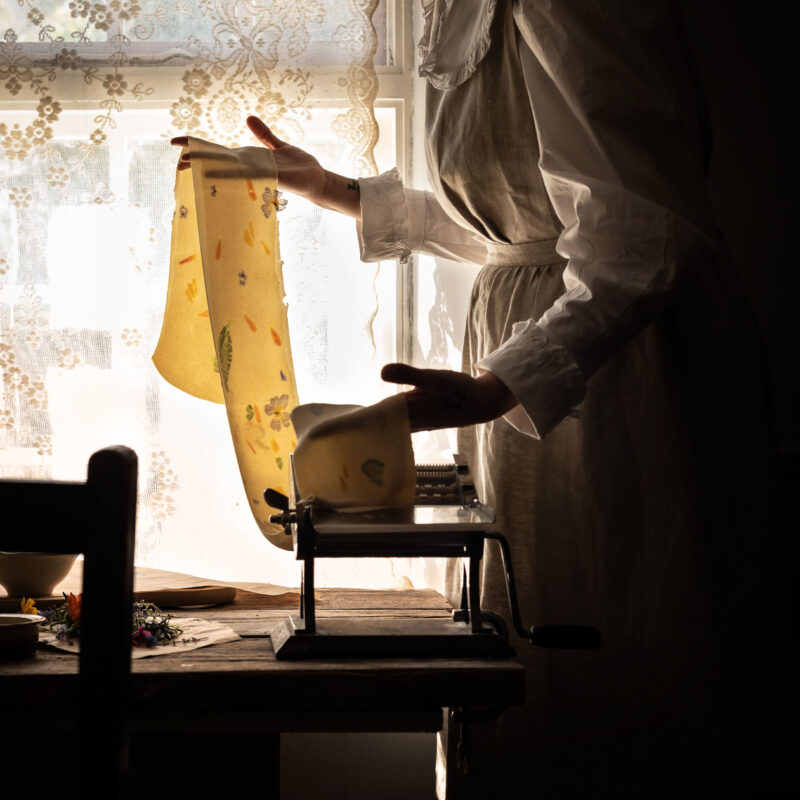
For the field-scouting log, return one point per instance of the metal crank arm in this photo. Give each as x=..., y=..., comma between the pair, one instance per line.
x=566, y=637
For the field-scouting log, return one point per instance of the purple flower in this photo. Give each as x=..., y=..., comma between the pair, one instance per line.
x=142, y=636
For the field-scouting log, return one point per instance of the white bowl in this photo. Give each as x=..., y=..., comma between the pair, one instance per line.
x=33, y=574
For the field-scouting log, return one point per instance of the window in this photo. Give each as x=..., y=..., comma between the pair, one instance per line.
x=90, y=93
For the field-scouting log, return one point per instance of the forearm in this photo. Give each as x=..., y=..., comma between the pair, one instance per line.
x=397, y=222
x=341, y=194
x=623, y=168
x=444, y=399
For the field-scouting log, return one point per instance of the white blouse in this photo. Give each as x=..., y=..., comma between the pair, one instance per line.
x=622, y=160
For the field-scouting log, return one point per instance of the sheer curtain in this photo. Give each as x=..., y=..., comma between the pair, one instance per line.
x=90, y=93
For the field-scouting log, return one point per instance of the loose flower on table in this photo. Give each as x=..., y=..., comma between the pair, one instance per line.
x=28, y=606
x=150, y=626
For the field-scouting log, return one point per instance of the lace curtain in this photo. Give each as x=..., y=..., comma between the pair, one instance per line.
x=90, y=94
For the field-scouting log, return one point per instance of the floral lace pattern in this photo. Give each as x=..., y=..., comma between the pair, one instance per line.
x=248, y=58
x=85, y=198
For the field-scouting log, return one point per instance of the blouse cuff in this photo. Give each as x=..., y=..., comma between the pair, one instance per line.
x=542, y=375
x=383, y=228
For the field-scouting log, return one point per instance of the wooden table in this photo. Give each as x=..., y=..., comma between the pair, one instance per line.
x=228, y=702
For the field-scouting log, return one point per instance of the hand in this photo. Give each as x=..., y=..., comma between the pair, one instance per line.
x=299, y=172
x=445, y=399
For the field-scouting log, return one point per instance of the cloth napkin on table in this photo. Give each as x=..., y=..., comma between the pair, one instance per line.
x=195, y=633
x=147, y=579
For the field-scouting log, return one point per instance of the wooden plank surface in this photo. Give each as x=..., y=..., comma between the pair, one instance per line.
x=257, y=615
x=244, y=676
x=383, y=599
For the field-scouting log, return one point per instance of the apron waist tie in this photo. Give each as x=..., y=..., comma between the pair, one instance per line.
x=524, y=254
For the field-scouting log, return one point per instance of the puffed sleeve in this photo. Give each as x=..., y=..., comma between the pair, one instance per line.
x=396, y=222
x=622, y=158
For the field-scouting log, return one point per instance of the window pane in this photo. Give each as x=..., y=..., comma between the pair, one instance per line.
x=84, y=272
x=90, y=93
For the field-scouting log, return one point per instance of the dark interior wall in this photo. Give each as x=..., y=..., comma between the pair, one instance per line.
x=742, y=53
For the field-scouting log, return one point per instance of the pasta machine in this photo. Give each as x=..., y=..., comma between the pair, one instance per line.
x=447, y=520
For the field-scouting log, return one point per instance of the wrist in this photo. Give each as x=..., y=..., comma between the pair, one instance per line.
x=340, y=193
x=317, y=188
x=498, y=395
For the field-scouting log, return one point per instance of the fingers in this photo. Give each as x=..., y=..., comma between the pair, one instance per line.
x=403, y=373
x=182, y=141
x=185, y=160
x=264, y=134
x=395, y=373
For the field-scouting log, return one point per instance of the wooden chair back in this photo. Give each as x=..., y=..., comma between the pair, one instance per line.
x=96, y=518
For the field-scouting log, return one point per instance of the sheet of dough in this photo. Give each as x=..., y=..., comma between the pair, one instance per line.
x=354, y=456
x=225, y=335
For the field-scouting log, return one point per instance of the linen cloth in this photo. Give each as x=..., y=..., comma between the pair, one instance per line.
x=567, y=152
x=147, y=579
x=195, y=633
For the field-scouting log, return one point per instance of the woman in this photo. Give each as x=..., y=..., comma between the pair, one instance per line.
x=612, y=357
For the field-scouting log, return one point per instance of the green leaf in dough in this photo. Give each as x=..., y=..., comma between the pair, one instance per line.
x=225, y=353
x=373, y=469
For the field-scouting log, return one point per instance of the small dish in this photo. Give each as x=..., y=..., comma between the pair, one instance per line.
x=19, y=634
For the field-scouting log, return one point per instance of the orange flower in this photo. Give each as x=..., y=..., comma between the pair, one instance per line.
x=74, y=606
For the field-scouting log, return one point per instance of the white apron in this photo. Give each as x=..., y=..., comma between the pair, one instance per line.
x=644, y=512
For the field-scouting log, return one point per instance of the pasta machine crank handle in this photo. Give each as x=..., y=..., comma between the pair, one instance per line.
x=287, y=517
x=565, y=637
